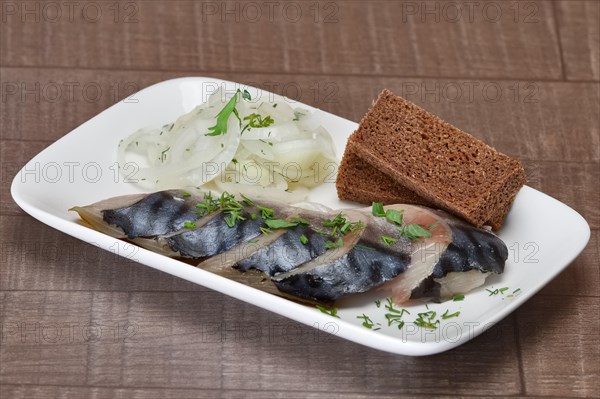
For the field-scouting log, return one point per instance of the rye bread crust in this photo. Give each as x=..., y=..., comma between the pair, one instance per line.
x=406, y=154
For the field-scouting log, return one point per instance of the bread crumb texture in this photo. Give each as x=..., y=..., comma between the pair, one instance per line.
x=401, y=153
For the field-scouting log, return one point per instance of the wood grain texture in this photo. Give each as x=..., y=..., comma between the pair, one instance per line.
x=79, y=322
x=433, y=38
x=207, y=341
x=45, y=391
x=37, y=257
x=529, y=120
x=562, y=356
x=580, y=38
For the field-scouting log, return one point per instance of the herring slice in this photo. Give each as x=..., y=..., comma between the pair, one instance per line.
x=361, y=263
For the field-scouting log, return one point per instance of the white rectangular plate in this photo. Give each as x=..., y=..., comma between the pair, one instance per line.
x=542, y=234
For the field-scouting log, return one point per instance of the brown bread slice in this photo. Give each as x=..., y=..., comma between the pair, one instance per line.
x=423, y=156
x=358, y=181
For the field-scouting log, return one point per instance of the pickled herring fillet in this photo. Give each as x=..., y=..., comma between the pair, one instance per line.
x=308, y=255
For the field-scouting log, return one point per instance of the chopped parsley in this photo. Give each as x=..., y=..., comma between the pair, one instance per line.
x=279, y=224
x=394, y=216
x=367, y=322
x=396, y=316
x=497, y=291
x=427, y=320
x=185, y=194
x=332, y=312
x=209, y=205
x=433, y=225
x=458, y=297
x=298, y=220
x=232, y=207
x=303, y=239
x=223, y=117
x=257, y=121
x=247, y=200
x=342, y=224
x=388, y=240
x=449, y=316
x=265, y=213
x=334, y=244
x=189, y=225
x=413, y=232
x=378, y=210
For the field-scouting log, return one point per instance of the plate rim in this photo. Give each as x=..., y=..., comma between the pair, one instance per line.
x=281, y=306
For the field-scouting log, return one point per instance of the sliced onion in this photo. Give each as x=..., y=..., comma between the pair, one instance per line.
x=288, y=155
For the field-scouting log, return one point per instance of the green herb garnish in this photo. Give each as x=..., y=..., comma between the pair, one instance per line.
x=209, y=205
x=265, y=213
x=413, y=232
x=185, y=194
x=457, y=298
x=333, y=245
x=378, y=303
x=332, y=312
x=256, y=120
x=189, y=225
x=426, y=320
x=449, y=316
x=388, y=240
x=367, y=321
x=247, y=200
x=433, y=225
x=378, y=210
x=223, y=117
x=303, y=239
x=394, y=216
x=279, y=224
x=298, y=220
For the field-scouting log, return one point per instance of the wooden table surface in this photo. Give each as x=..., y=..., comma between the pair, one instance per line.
x=523, y=76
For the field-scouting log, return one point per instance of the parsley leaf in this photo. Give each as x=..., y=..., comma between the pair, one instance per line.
x=394, y=216
x=223, y=117
x=333, y=245
x=388, y=240
x=378, y=210
x=413, y=232
x=279, y=224
x=332, y=312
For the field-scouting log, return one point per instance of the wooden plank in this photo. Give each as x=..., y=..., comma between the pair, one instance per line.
x=529, y=120
x=68, y=392
x=575, y=184
x=205, y=340
x=580, y=38
x=36, y=257
x=560, y=344
x=582, y=277
x=435, y=38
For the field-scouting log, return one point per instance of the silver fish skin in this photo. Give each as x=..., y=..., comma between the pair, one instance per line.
x=299, y=261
